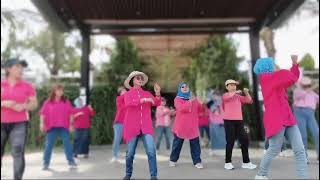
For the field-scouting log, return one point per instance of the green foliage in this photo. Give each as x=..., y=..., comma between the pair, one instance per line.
x=124, y=60
x=307, y=62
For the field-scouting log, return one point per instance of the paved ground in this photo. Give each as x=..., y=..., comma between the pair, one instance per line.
x=98, y=166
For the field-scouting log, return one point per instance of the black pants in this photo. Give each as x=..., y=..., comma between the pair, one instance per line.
x=194, y=148
x=17, y=135
x=235, y=130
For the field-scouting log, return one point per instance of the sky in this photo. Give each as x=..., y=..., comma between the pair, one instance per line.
x=299, y=36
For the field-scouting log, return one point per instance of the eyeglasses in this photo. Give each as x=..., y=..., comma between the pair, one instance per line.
x=140, y=78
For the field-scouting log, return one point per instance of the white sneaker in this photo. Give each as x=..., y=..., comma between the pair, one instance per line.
x=172, y=164
x=264, y=151
x=199, y=165
x=113, y=160
x=228, y=166
x=248, y=165
x=260, y=177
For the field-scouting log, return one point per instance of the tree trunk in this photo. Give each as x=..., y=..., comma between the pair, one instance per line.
x=267, y=35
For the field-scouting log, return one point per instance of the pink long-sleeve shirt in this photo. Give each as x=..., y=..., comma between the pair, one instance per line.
x=138, y=115
x=121, y=110
x=163, y=116
x=232, y=106
x=217, y=116
x=274, y=87
x=303, y=98
x=83, y=121
x=56, y=114
x=203, y=116
x=187, y=117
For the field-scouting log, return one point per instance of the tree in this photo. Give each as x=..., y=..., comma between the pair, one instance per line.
x=51, y=46
x=212, y=64
x=307, y=62
x=124, y=60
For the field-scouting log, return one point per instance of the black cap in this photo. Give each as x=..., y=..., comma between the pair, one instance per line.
x=14, y=61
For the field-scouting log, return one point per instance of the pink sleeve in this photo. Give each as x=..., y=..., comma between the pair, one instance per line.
x=316, y=96
x=246, y=100
x=31, y=91
x=157, y=101
x=130, y=101
x=91, y=112
x=182, y=106
x=298, y=94
x=44, y=109
x=71, y=110
x=285, y=78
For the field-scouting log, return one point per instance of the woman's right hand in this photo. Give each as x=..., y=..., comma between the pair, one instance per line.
x=294, y=59
x=8, y=104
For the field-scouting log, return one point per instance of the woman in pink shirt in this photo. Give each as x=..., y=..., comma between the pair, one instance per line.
x=118, y=124
x=82, y=117
x=279, y=121
x=186, y=126
x=17, y=99
x=163, y=121
x=305, y=102
x=204, y=122
x=138, y=122
x=233, y=123
x=55, y=115
x=217, y=132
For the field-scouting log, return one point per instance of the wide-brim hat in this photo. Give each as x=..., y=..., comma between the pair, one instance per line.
x=305, y=81
x=132, y=75
x=231, y=81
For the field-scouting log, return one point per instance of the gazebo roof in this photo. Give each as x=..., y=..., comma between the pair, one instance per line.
x=128, y=17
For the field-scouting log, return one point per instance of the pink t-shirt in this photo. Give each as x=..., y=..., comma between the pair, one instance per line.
x=187, y=117
x=232, y=106
x=163, y=116
x=217, y=116
x=83, y=121
x=20, y=93
x=56, y=114
x=203, y=116
x=302, y=98
x=121, y=110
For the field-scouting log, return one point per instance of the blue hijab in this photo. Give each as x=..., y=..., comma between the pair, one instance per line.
x=184, y=96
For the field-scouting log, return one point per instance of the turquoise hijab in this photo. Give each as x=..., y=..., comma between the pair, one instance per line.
x=180, y=94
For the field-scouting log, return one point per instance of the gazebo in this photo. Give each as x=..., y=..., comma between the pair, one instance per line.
x=153, y=17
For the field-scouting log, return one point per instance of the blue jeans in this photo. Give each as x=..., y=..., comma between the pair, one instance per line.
x=81, y=141
x=275, y=143
x=306, y=120
x=50, y=141
x=194, y=148
x=150, y=150
x=217, y=136
x=163, y=130
x=204, y=129
x=117, y=137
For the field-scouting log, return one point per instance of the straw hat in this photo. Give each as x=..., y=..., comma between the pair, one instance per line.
x=231, y=81
x=132, y=75
x=306, y=81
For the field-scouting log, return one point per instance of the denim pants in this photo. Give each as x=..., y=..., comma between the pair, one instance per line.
x=217, y=136
x=194, y=148
x=117, y=137
x=50, y=141
x=275, y=143
x=150, y=151
x=204, y=129
x=163, y=130
x=16, y=133
x=306, y=120
x=81, y=141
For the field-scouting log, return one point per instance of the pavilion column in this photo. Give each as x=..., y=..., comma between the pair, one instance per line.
x=255, y=54
x=85, y=63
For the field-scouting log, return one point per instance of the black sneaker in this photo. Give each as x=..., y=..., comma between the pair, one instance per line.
x=154, y=178
x=86, y=156
x=75, y=155
x=45, y=168
x=127, y=178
